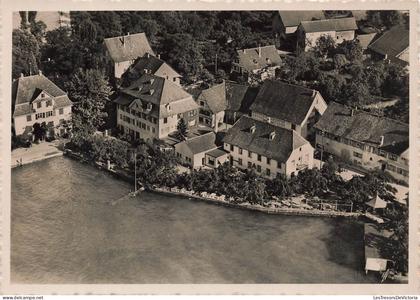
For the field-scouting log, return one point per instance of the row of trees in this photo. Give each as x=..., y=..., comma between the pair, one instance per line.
x=341, y=74
x=188, y=40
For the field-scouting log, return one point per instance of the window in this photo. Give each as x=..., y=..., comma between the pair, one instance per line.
x=42, y=95
x=153, y=129
x=391, y=167
x=259, y=157
x=268, y=160
x=49, y=103
x=357, y=154
x=38, y=105
x=279, y=165
x=293, y=126
x=49, y=114
x=268, y=172
x=240, y=161
x=202, y=103
x=231, y=148
x=249, y=165
x=240, y=150
x=60, y=111
x=393, y=157
x=148, y=128
x=28, y=118
x=258, y=168
x=249, y=154
x=165, y=120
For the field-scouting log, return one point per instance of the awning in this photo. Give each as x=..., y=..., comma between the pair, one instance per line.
x=377, y=202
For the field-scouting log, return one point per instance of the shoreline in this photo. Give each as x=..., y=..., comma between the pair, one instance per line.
x=193, y=196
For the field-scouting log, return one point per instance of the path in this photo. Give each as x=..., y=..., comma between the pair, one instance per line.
x=37, y=152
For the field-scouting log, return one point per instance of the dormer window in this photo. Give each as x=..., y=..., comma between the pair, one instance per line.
x=268, y=119
x=252, y=129
x=272, y=135
x=168, y=107
x=149, y=106
x=151, y=91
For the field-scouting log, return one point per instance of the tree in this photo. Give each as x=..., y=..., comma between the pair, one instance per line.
x=384, y=18
x=181, y=128
x=324, y=46
x=90, y=91
x=397, y=249
x=340, y=60
x=25, y=53
x=278, y=186
x=351, y=49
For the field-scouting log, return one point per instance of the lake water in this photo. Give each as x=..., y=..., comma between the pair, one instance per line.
x=64, y=230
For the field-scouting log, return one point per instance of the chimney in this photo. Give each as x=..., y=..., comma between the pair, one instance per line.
x=147, y=55
x=381, y=141
x=128, y=33
x=21, y=75
x=259, y=50
x=252, y=129
x=244, y=51
x=351, y=112
x=158, y=56
x=39, y=72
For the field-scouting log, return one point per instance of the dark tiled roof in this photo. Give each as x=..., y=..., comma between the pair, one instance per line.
x=392, y=42
x=284, y=101
x=280, y=148
x=239, y=97
x=26, y=89
x=292, y=18
x=147, y=62
x=342, y=24
x=365, y=128
x=158, y=91
x=215, y=97
x=128, y=47
x=250, y=59
x=201, y=143
x=217, y=153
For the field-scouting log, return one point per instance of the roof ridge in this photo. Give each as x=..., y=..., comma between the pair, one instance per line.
x=120, y=36
x=370, y=113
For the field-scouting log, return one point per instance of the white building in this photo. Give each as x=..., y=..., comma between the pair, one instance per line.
x=212, y=102
x=369, y=141
x=124, y=50
x=339, y=30
x=151, y=107
x=36, y=99
x=192, y=151
x=257, y=63
x=269, y=149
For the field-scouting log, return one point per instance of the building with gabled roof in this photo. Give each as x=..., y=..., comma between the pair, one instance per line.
x=260, y=62
x=339, y=30
x=286, y=22
x=36, y=99
x=393, y=45
x=149, y=64
x=124, y=50
x=289, y=106
x=151, y=107
x=367, y=140
x=212, y=102
x=269, y=149
x=239, y=98
x=192, y=151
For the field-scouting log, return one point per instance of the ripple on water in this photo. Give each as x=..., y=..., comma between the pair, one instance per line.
x=65, y=231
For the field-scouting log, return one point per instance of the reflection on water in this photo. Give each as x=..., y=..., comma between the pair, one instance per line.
x=65, y=231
